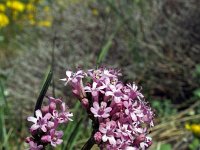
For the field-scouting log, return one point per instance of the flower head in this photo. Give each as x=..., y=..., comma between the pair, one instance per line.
x=46, y=122
x=4, y=21
x=119, y=111
x=16, y=5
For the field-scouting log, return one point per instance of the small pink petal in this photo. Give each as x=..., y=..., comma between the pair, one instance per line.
x=112, y=140
x=38, y=113
x=96, y=105
x=34, y=127
x=93, y=110
x=32, y=119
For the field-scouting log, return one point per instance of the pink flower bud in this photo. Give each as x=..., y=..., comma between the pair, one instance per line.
x=139, y=139
x=52, y=107
x=45, y=109
x=85, y=103
x=97, y=137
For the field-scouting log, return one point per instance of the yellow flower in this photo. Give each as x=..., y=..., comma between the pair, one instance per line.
x=195, y=128
x=2, y=8
x=44, y=23
x=16, y=5
x=4, y=21
x=187, y=126
x=95, y=12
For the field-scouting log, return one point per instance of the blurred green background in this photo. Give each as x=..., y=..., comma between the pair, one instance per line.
x=156, y=43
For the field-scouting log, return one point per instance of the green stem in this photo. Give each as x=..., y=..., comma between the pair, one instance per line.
x=89, y=144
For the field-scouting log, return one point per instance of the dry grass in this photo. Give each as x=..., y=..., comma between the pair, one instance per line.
x=172, y=129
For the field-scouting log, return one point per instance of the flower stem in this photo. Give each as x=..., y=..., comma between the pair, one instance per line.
x=89, y=144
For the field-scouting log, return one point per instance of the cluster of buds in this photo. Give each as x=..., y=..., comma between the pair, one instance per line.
x=45, y=124
x=121, y=117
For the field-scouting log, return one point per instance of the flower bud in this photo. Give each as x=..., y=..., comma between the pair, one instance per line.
x=52, y=107
x=45, y=109
x=139, y=139
x=97, y=137
x=85, y=103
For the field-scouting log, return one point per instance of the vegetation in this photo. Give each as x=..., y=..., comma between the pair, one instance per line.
x=155, y=43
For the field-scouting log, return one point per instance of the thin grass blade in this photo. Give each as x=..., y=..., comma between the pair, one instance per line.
x=44, y=89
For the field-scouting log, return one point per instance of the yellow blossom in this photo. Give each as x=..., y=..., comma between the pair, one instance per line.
x=194, y=128
x=2, y=8
x=187, y=126
x=16, y=5
x=95, y=12
x=4, y=21
x=44, y=23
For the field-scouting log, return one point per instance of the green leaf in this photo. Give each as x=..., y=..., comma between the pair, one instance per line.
x=3, y=100
x=1, y=38
x=195, y=144
x=197, y=93
x=197, y=70
x=3, y=134
x=44, y=89
x=105, y=49
x=165, y=147
x=73, y=136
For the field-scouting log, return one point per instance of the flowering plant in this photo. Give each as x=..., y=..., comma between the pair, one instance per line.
x=121, y=118
x=45, y=124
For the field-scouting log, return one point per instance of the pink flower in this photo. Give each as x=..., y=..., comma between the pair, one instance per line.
x=65, y=115
x=115, y=92
x=94, y=90
x=35, y=146
x=131, y=148
x=123, y=131
x=108, y=132
x=133, y=109
x=54, y=138
x=100, y=111
x=48, y=123
x=73, y=77
x=133, y=91
x=120, y=109
x=54, y=100
x=39, y=121
x=75, y=80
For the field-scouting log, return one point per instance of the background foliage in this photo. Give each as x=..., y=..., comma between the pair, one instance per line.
x=155, y=43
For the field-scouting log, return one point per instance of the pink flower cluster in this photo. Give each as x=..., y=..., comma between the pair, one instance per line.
x=45, y=123
x=120, y=115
